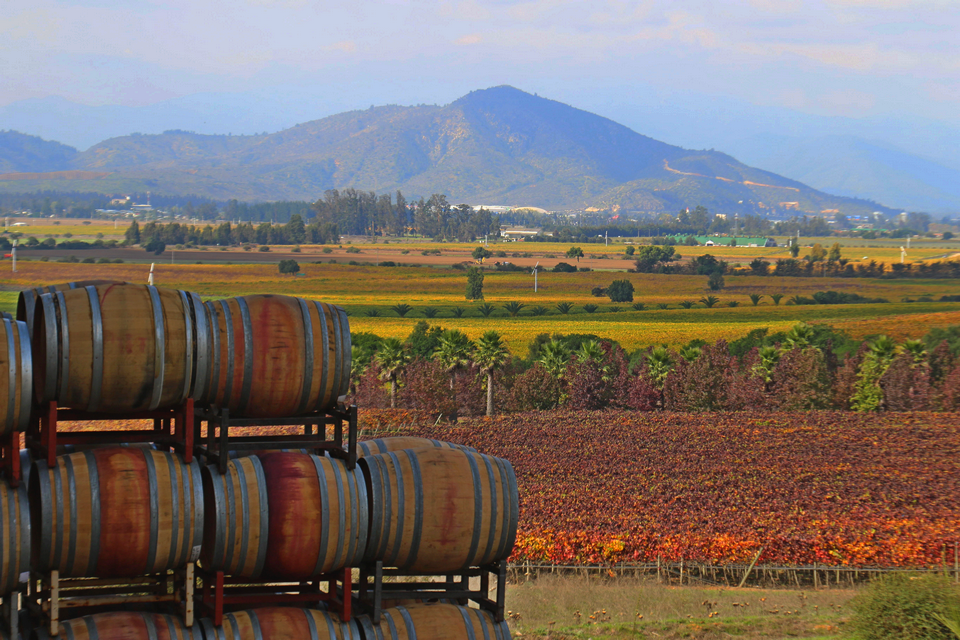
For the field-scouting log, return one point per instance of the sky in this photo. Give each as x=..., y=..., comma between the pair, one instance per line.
x=855, y=58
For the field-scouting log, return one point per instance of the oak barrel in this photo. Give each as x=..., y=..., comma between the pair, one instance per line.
x=27, y=300
x=16, y=376
x=434, y=622
x=125, y=625
x=440, y=510
x=280, y=623
x=275, y=356
x=118, y=347
x=384, y=445
x=115, y=512
x=14, y=536
x=288, y=516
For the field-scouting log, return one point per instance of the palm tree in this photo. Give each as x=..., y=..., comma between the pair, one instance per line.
x=357, y=368
x=454, y=352
x=638, y=306
x=392, y=358
x=491, y=354
x=799, y=337
x=401, y=309
x=686, y=304
x=554, y=356
x=590, y=350
x=917, y=350
x=690, y=353
x=485, y=309
x=776, y=297
x=659, y=364
x=590, y=308
x=882, y=349
x=769, y=356
x=709, y=301
x=755, y=298
x=513, y=308
x=564, y=307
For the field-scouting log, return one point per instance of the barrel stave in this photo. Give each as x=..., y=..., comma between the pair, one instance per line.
x=16, y=376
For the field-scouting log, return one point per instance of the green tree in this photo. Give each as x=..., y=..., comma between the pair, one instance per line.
x=575, y=252
x=295, y=230
x=491, y=354
x=629, y=251
x=156, y=245
x=474, y=283
x=715, y=281
x=289, y=266
x=132, y=234
x=659, y=364
x=834, y=253
x=817, y=253
x=392, y=358
x=620, y=291
x=554, y=356
x=649, y=257
x=480, y=254
x=794, y=247
x=454, y=352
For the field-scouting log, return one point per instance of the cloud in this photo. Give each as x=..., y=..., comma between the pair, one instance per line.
x=471, y=39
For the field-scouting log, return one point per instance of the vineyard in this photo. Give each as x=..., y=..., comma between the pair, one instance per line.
x=837, y=489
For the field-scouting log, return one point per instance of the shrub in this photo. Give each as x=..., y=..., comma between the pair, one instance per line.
x=598, y=292
x=905, y=607
x=353, y=249
x=88, y=261
x=427, y=388
x=326, y=250
x=620, y=291
x=590, y=308
x=296, y=249
x=534, y=390
x=563, y=267
x=262, y=248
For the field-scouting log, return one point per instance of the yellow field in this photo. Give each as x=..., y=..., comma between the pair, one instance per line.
x=363, y=290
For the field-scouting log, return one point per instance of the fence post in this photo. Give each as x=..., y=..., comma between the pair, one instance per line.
x=750, y=568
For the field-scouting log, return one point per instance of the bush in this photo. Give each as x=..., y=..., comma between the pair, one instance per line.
x=598, y=292
x=263, y=248
x=88, y=260
x=563, y=267
x=620, y=291
x=535, y=390
x=326, y=250
x=353, y=250
x=715, y=281
x=903, y=607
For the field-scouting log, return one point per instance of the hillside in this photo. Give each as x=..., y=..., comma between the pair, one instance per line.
x=21, y=153
x=495, y=146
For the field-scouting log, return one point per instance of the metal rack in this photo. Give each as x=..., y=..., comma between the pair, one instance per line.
x=372, y=590
x=219, y=441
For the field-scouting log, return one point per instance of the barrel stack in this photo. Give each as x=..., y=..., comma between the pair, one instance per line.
x=158, y=521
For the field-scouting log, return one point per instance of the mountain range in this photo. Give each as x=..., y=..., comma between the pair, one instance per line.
x=493, y=146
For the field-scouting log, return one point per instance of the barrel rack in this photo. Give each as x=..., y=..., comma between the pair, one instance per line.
x=215, y=591
x=170, y=427
x=48, y=594
x=455, y=586
x=219, y=441
x=10, y=458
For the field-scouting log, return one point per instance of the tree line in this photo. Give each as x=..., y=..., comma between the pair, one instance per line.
x=154, y=234
x=807, y=368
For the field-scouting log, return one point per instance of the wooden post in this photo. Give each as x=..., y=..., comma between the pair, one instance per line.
x=54, y=601
x=189, y=585
x=816, y=577
x=956, y=563
x=746, y=575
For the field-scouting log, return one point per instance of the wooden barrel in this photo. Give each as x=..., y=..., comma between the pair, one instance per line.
x=27, y=300
x=434, y=622
x=117, y=347
x=14, y=536
x=440, y=510
x=276, y=356
x=288, y=516
x=280, y=623
x=385, y=445
x=16, y=376
x=115, y=512
x=123, y=625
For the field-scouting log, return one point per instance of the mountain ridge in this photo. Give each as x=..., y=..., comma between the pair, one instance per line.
x=491, y=145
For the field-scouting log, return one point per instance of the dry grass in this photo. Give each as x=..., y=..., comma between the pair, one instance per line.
x=582, y=606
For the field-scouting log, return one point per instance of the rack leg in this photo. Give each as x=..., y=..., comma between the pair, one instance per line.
x=346, y=597
x=224, y=428
x=218, y=599
x=11, y=611
x=185, y=429
x=377, y=592
x=352, y=438
x=501, y=589
x=188, y=594
x=48, y=433
x=54, y=603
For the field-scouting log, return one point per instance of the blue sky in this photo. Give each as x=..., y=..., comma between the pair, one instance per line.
x=855, y=58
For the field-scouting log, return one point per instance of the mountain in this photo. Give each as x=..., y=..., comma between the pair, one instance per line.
x=856, y=167
x=494, y=146
x=28, y=154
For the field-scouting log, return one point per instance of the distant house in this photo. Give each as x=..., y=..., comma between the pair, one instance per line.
x=519, y=233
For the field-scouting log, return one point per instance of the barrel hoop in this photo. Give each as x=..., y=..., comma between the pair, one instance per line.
x=159, y=347
x=201, y=345
x=231, y=517
x=337, y=342
x=255, y=624
x=247, y=354
x=58, y=505
x=64, y=336
x=390, y=623
x=228, y=322
x=508, y=510
x=26, y=372
x=387, y=485
x=312, y=624
x=244, y=517
x=46, y=514
x=307, y=355
x=176, y=483
x=391, y=560
x=94, y=510
x=353, y=493
x=341, y=515
x=264, y=515
x=234, y=627
x=418, y=493
x=331, y=630
x=188, y=340
x=96, y=382
x=11, y=372
x=29, y=304
x=154, y=491
x=376, y=508
x=321, y=464
x=197, y=510
x=466, y=623
x=209, y=631
x=151, y=626
x=408, y=621
x=50, y=326
x=213, y=381
x=364, y=449
x=493, y=513
x=363, y=514
x=91, y=624
x=72, y=544
x=514, y=506
x=23, y=510
x=346, y=353
x=71, y=285
x=217, y=482
x=8, y=544
x=325, y=353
